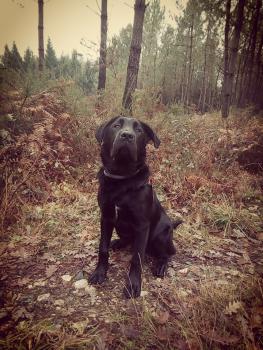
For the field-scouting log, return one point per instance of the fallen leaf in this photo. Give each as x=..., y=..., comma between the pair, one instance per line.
x=129, y=331
x=21, y=253
x=48, y=256
x=43, y=297
x=50, y=270
x=80, y=256
x=39, y=283
x=233, y=307
x=162, y=317
x=221, y=339
x=80, y=326
x=66, y=278
x=21, y=313
x=184, y=271
x=23, y=281
x=59, y=302
x=162, y=333
x=259, y=236
x=81, y=284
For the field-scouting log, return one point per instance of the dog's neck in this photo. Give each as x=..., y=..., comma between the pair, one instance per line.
x=107, y=173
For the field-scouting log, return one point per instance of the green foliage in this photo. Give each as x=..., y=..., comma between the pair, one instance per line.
x=7, y=57
x=23, y=73
x=51, y=61
x=12, y=59
x=30, y=62
x=16, y=59
x=118, y=51
x=87, y=77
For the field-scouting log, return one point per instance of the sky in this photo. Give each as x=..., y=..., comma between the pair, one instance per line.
x=67, y=23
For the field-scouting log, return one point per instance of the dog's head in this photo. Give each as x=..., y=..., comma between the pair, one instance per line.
x=123, y=141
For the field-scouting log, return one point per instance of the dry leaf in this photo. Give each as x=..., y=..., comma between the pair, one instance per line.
x=80, y=326
x=259, y=236
x=50, y=270
x=233, y=307
x=221, y=339
x=130, y=332
x=162, y=317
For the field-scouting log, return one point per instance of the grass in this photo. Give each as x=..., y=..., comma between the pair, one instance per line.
x=225, y=216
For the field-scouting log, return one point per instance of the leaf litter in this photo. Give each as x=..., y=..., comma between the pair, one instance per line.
x=212, y=294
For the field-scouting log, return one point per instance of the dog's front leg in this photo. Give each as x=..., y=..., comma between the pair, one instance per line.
x=107, y=225
x=133, y=286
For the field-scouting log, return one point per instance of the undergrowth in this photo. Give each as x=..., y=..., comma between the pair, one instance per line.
x=212, y=298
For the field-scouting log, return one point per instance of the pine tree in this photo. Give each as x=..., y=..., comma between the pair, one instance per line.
x=103, y=46
x=75, y=65
x=29, y=63
x=6, y=58
x=41, y=53
x=87, y=78
x=135, y=52
x=16, y=59
x=50, y=57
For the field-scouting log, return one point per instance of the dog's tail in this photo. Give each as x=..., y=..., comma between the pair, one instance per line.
x=176, y=223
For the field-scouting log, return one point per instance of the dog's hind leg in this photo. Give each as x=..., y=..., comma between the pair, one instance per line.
x=162, y=248
x=119, y=243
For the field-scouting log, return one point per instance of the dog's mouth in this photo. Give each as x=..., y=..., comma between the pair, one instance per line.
x=124, y=151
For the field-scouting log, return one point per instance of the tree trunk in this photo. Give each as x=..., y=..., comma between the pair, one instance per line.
x=103, y=46
x=189, y=82
x=249, y=94
x=40, y=35
x=202, y=98
x=229, y=69
x=257, y=94
x=135, y=52
x=225, y=96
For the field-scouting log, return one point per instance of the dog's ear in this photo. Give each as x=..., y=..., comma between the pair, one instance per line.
x=101, y=129
x=151, y=134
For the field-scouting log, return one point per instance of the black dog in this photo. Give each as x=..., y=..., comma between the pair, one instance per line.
x=128, y=203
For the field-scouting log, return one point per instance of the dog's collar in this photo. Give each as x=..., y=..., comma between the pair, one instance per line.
x=118, y=177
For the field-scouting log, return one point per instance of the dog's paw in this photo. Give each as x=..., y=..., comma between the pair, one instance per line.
x=98, y=276
x=132, y=289
x=160, y=270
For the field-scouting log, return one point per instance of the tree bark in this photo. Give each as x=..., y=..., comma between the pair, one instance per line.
x=249, y=94
x=229, y=69
x=257, y=94
x=134, y=57
x=203, y=92
x=189, y=80
x=226, y=97
x=41, y=35
x=103, y=46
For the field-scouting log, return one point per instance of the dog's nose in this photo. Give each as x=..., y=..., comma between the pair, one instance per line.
x=127, y=135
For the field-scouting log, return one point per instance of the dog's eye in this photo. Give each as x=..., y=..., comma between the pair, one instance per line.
x=139, y=130
x=116, y=126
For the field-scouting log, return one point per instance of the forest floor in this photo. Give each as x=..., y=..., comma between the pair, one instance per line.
x=212, y=296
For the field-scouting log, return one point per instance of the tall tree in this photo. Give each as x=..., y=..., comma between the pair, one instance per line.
x=135, y=52
x=29, y=63
x=7, y=57
x=234, y=45
x=152, y=27
x=51, y=61
x=16, y=59
x=103, y=45
x=41, y=35
x=254, y=32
